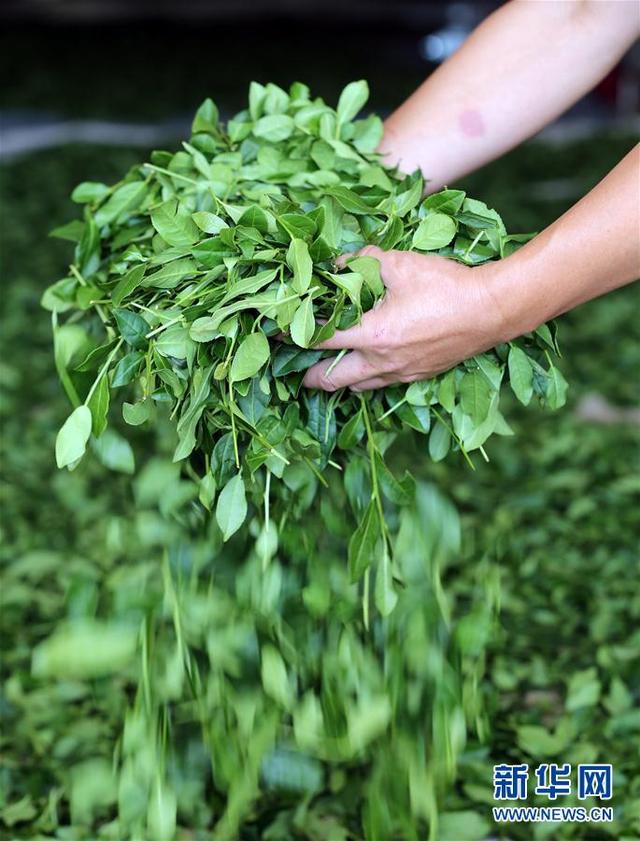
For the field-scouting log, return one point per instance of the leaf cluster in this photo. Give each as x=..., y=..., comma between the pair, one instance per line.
x=189, y=271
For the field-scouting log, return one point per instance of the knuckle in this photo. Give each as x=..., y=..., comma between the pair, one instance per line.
x=370, y=251
x=386, y=365
x=386, y=341
x=407, y=378
x=327, y=383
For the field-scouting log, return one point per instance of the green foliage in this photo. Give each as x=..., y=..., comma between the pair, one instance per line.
x=194, y=266
x=553, y=510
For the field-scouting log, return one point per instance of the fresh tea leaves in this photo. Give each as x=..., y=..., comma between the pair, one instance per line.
x=203, y=281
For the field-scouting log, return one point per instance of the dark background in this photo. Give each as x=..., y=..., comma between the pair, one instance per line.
x=156, y=59
x=144, y=60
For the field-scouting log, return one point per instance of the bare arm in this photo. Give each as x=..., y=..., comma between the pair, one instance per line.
x=590, y=250
x=437, y=312
x=521, y=68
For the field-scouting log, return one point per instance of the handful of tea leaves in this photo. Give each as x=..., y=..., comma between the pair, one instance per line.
x=188, y=270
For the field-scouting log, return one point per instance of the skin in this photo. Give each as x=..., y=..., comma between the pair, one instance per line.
x=471, y=110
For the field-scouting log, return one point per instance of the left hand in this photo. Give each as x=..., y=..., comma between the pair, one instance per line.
x=435, y=313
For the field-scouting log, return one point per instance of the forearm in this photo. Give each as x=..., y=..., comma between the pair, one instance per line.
x=592, y=249
x=519, y=70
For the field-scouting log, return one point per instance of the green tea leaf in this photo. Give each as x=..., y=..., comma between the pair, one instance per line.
x=207, y=491
x=89, y=192
x=85, y=649
x=297, y=225
x=133, y=328
x=363, y=543
x=174, y=224
x=123, y=199
x=303, y=324
x=206, y=118
x=163, y=804
x=60, y=296
x=137, y=413
x=300, y=263
x=99, y=407
x=127, y=284
x=584, y=690
x=435, y=231
x=369, y=269
x=71, y=441
x=255, y=217
x=274, y=677
x=556, y=395
x=439, y=441
x=475, y=395
x=446, y=201
x=231, y=509
x=204, y=329
x=114, y=452
x=352, y=99
x=274, y=127
x=127, y=368
x=254, y=402
x=520, y=375
x=209, y=222
x=174, y=342
x=250, y=357
x=386, y=597
x=172, y=274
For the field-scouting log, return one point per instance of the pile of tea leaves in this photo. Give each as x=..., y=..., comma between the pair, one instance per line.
x=188, y=272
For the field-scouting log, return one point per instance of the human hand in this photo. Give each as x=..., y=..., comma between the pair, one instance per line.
x=435, y=313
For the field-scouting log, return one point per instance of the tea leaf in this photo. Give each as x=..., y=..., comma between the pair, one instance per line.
x=274, y=127
x=475, y=396
x=99, y=407
x=352, y=99
x=303, y=324
x=115, y=452
x=174, y=224
x=123, y=199
x=133, y=328
x=72, y=438
x=300, y=262
x=435, y=231
x=172, y=274
x=274, y=677
x=127, y=284
x=385, y=595
x=363, y=543
x=231, y=509
x=210, y=223
x=161, y=815
x=439, y=441
x=250, y=357
x=520, y=375
x=127, y=368
x=89, y=192
x=557, y=389
x=85, y=649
